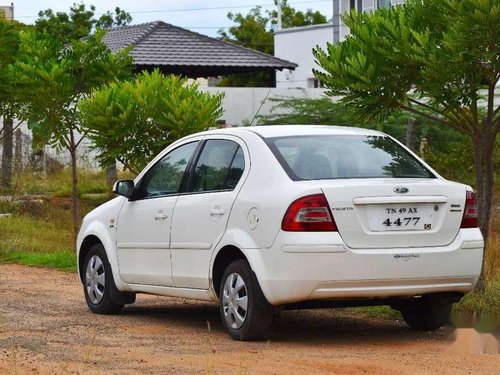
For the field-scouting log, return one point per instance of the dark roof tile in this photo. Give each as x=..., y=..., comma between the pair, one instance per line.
x=161, y=44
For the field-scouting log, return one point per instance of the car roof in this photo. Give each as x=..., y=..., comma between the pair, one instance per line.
x=271, y=131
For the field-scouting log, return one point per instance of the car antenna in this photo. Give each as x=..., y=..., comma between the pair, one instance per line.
x=260, y=107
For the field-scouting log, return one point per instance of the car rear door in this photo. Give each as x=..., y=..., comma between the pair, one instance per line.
x=202, y=211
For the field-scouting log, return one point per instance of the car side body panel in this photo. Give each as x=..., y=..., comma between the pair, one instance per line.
x=101, y=224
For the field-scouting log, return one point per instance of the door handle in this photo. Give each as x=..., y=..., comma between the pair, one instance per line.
x=161, y=216
x=217, y=211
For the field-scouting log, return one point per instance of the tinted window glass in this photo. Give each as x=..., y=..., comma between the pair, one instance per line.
x=219, y=166
x=165, y=176
x=236, y=170
x=329, y=157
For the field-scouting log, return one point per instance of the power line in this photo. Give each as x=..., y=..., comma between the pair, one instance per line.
x=201, y=9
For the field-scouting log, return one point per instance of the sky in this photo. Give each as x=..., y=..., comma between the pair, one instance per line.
x=205, y=17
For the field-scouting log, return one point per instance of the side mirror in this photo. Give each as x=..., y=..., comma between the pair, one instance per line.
x=124, y=188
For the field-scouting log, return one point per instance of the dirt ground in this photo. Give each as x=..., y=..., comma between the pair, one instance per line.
x=46, y=328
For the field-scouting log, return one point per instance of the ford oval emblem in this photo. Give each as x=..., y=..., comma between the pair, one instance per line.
x=401, y=190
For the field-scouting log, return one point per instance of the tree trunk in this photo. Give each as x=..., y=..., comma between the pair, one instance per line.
x=111, y=174
x=8, y=130
x=74, y=193
x=485, y=180
x=18, y=159
x=410, y=134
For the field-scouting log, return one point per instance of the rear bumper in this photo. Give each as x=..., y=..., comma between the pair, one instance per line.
x=298, y=269
x=391, y=288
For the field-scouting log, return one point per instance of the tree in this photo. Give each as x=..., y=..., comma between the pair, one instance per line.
x=325, y=111
x=300, y=111
x=133, y=121
x=9, y=44
x=51, y=78
x=256, y=31
x=79, y=22
x=292, y=18
x=435, y=58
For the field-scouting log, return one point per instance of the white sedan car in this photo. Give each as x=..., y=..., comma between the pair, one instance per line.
x=260, y=218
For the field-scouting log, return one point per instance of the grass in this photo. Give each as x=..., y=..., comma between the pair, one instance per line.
x=379, y=312
x=58, y=184
x=64, y=260
x=39, y=230
x=487, y=301
x=35, y=235
x=37, y=241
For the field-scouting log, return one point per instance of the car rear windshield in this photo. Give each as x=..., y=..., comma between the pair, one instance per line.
x=345, y=156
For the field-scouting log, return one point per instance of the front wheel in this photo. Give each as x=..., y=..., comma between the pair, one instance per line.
x=98, y=282
x=245, y=312
x=427, y=313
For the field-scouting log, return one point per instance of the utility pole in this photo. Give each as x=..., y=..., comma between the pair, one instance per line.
x=279, y=15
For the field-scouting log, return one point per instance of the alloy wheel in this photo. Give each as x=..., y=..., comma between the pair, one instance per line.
x=95, y=279
x=235, y=301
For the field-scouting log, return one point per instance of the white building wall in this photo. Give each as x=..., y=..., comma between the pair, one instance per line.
x=8, y=11
x=296, y=44
x=242, y=104
x=86, y=156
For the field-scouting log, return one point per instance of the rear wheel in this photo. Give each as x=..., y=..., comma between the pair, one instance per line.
x=245, y=312
x=427, y=313
x=98, y=283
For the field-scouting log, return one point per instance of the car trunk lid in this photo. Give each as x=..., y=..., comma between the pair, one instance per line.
x=394, y=212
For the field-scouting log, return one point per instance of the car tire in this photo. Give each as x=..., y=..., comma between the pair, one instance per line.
x=427, y=313
x=98, y=284
x=245, y=312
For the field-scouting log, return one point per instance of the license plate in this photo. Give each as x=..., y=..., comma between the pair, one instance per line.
x=400, y=217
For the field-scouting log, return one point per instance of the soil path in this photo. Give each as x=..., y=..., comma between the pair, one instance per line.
x=46, y=328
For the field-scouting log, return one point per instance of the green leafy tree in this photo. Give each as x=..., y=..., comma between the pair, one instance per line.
x=51, y=77
x=79, y=22
x=133, y=121
x=435, y=58
x=292, y=18
x=445, y=146
x=325, y=111
x=255, y=30
x=296, y=111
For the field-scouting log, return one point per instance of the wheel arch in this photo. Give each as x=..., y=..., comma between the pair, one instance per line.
x=225, y=256
x=95, y=233
x=85, y=247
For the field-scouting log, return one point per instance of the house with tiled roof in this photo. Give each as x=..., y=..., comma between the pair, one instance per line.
x=175, y=50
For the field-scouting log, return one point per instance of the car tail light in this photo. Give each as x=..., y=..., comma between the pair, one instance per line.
x=470, y=219
x=309, y=214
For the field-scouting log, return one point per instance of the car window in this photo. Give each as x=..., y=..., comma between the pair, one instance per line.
x=165, y=176
x=345, y=156
x=236, y=170
x=219, y=167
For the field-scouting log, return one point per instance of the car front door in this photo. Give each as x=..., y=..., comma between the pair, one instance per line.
x=143, y=226
x=202, y=211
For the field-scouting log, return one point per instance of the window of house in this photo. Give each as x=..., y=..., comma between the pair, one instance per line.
x=314, y=83
x=383, y=3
